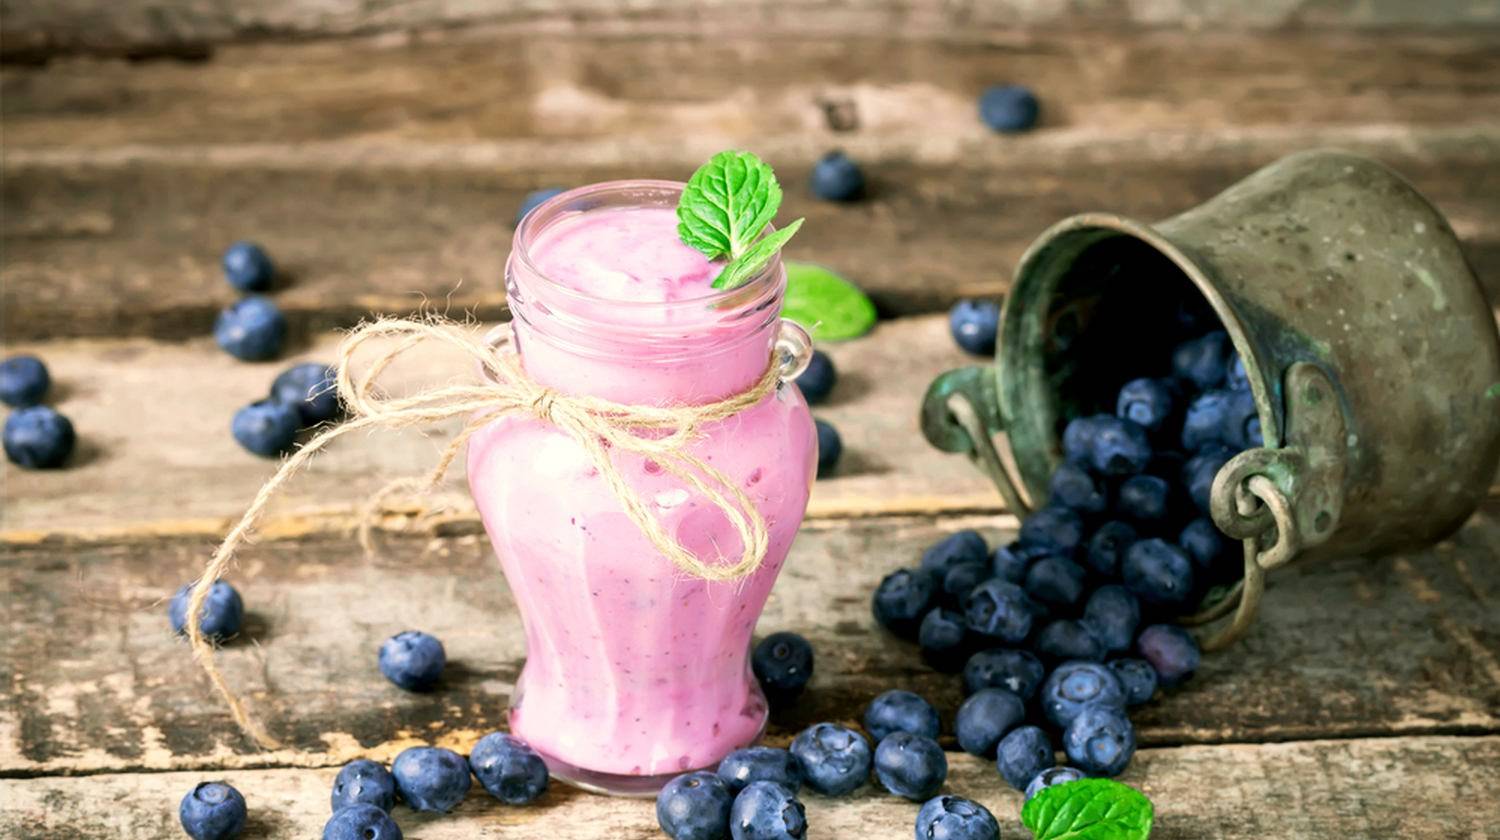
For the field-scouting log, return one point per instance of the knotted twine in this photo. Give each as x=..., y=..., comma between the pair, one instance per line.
x=660, y=433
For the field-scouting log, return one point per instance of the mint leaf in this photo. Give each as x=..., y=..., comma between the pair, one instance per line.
x=727, y=204
x=1089, y=809
x=829, y=307
x=752, y=261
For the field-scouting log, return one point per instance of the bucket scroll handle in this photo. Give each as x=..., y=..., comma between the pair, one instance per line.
x=961, y=413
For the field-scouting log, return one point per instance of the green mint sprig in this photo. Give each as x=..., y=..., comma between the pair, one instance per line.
x=724, y=210
x=1089, y=809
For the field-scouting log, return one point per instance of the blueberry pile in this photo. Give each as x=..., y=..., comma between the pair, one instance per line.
x=36, y=437
x=301, y=396
x=816, y=383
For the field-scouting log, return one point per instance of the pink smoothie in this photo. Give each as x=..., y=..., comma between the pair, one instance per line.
x=633, y=668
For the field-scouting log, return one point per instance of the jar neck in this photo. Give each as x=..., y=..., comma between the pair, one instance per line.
x=656, y=353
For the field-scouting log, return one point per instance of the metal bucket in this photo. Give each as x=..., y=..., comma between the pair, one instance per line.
x=1371, y=350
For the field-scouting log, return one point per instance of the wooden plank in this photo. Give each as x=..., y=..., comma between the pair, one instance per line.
x=1421, y=788
x=96, y=683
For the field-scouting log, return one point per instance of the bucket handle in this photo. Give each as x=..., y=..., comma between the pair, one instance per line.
x=961, y=413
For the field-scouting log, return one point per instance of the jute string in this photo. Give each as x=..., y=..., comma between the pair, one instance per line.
x=660, y=433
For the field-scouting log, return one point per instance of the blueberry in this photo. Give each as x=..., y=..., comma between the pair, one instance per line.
x=363, y=782
x=1209, y=550
x=944, y=640
x=1000, y=610
x=902, y=599
x=960, y=580
x=830, y=447
x=1055, y=582
x=23, y=381
x=251, y=329
x=1107, y=547
x=311, y=389
x=695, y=806
x=900, y=711
x=1203, y=361
x=966, y=546
x=975, y=324
x=985, y=717
x=760, y=764
x=1022, y=754
x=1144, y=499
x=1113, y=615
x=412, y=660
x=1241, y=421
x=361, y=822
x=1100, y=741
x=1054, y=526
x=1118, y=447
x=535, y=199
x=1050, y=777
x=431, y=778
x=1171, y=651
x=835, y=759
x=837, y=178
x=1072, y=487
x=817, y=381
x=267, y=428
x=1066, y=639
x=783, y=663
x=247, y=267
x=1147, y=402
x=1237, y=379
x=508, y=768
x=1137, y=679
x=1207, y=418
x=223, y=611
x=1199, y=472
x=1078, y=439
x=1016, y=671
x=1009, y=108
x=956, y=818
x=1074, y=686
x=212, y=811
x=1158, y=573
x=1011, y=561
x=912, y=766
x=38, y=438
x=767, y=811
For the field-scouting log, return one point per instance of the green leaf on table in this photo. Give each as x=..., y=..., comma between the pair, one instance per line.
x=829, y=307
x=727, y=204
x=753, y=260
x=1089, y=809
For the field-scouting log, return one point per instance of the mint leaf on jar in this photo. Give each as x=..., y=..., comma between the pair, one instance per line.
x=727, y=204
x=1089, y=809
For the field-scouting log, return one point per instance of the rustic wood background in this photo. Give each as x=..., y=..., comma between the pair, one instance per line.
x=379, y=151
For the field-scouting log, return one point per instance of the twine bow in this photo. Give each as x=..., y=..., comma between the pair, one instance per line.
x=660, y=433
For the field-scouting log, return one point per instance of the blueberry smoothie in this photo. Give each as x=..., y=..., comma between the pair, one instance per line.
x=634, y=669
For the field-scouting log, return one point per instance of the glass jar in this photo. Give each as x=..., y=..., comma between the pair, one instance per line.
x=635, y=671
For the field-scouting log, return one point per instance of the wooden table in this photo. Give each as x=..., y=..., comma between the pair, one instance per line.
x=382, y=167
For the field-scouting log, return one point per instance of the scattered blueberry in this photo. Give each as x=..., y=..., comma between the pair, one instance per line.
x=1237, y=379
x=1000, y=610
x=1158, y=573
x=835, y=759
x=535, y=199
x=412, y=660
x=1203, y=361
x=1075, y=686
x=1107, y=547
x=985, y=717
x=760, y=764
x=1147, y=402
x=23, y=381
x=508, y=768
x=830, y=447
x=361, y=822
x=251, y=329
x=975, y=324
x=767, y=811
x=247, y=267
x=835, y=177
x=1055, y=582
x=38, y=438
x=1011, y=561
x=944, y=640
x=900, y=711
x=1143, y=499
x=966, y=546
x=695, y=806
x=431, y=778
x=1054, y=526
x=912, y=766
x=902, y=599
x=1016, y=671
x=1241, y=421
x=1009, y=108
x=1050, y=777
x=1209, y=550
x=783, y=663
x=266, y=428
x=212, y=811
x=311, y=389
x=1207, y=418
x=363, y=782
x=1137, y=679
x=1118, y=447
x=956, y=818
x=1113, y=615
x=223, y=611
x=960, y=580
x=1199, y=472
x=1066, y=639
x=1023, y=753
x=1072, y=487
x=816, y=382
x=1100, y=740
x=1171, y=650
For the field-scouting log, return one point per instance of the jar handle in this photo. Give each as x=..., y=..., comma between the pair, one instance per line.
x=793, y=349
x=961, y=413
